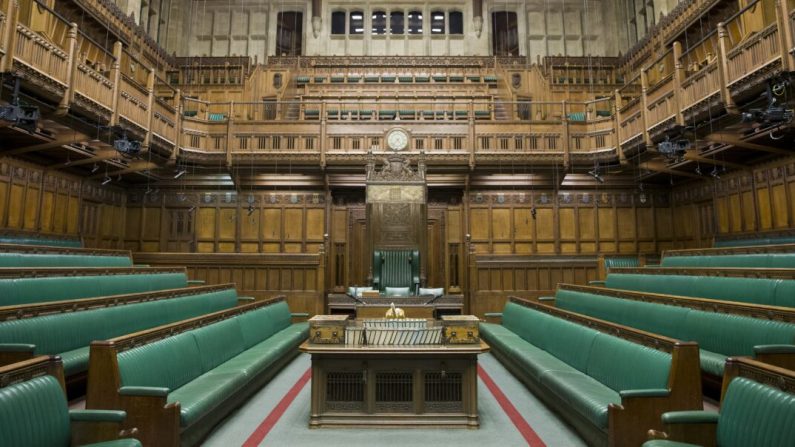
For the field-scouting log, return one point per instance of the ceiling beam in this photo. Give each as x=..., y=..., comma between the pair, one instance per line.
x=101, y=155
x=134, y=167
x=695, y=156
x=657, y=166
x=58, y=142
x=734, y=140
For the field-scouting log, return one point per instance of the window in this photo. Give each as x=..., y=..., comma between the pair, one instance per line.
x=456, y=22
x=437, y=22
x=357, y=23
x=415, y=22
x=379, y=22
x=396, y=25
x=338, y=22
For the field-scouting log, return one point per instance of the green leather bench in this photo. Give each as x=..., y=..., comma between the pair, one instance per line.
x=766, y=291
x=752, y=260
x=21, y=287
x=754, y=242
x=31, y=240
x=34, y=412
x=195, y=375
x=69, y=334
x=719, y=335
x=585, y=373
x=62, y=260
x=757, y=409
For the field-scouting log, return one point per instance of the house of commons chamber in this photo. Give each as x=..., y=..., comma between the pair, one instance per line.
x=411, y=223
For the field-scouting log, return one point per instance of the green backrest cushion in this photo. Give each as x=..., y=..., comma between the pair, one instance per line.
x=623, y=365
x=71, y=243
x=760, y=260
x=170, y=363
x=747, y=290
x=734, y=334
x=570, y=342
x=55, y=288
x=755, y=242
x=396, y=268
x=528, y=324
x=257, y=325
x=753, y=414
x=57, y=333
x=34, y=413
x=621, y=262
x=62, y=260
x=219, y=342
x=784, y=293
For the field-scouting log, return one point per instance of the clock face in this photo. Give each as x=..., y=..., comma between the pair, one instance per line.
x=397, y=139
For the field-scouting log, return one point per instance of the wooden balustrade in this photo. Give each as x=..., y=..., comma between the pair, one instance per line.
x=133, y=103
x=93, y=86
x=701, y=86
x=758, y=51
x=3, y=25
x=631, y=125
x=163, y=124
x=661, y=103
x=37, y=53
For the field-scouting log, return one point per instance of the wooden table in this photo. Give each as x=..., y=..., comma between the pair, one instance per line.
x=389, y=386
x=414, y=306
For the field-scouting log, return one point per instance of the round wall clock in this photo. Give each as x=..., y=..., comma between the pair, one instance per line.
x=397, y=139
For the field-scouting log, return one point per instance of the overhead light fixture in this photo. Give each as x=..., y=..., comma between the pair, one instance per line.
x=595, y=174
x=191, y=209
x=118, y=178
x=106, y=180
x=94, y=168
x=698, y=170
x=180, y=173
x=714, y=173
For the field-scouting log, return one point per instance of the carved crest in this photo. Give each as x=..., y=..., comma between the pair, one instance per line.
x=395, y=168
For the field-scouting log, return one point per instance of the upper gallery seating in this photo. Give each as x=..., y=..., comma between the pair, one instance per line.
x=721, y=329
x=26, y=286
x=67, y=328
x=774, y=256
x=178, y=381
x=610, y=382
x=31, y=238
x=757, y=409
x=729, y=284
x=13, y=255
x=756, y=239
x=34, y=411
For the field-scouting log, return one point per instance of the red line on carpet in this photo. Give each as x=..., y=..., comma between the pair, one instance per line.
x=270, y=421
x=519, y=422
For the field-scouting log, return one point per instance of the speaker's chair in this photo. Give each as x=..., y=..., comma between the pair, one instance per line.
x=396, y=268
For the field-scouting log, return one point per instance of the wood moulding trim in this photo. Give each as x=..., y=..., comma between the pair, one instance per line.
x=84, y=271
x=229, y=259
x=735, y=272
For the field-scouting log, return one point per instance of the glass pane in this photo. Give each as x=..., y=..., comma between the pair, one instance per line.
x=379, y=22
x=338, y=22
x=456, y=22
x=357, y=23
x=415, y=22
x=437, y=22
x=396, y=22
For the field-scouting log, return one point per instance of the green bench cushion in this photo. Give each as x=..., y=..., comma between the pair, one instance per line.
x=219, y=342
x=584, y=394
x=760, y=260
x=34, y=413
x=62, y=260
x=756, y=414
x=127, y=442
x=22, y=240
x=754, y=242
x=667, y=443
x=199, y=396
x=168, y=363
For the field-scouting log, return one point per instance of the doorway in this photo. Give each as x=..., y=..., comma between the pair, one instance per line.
x=505, y=29
x=289, y=33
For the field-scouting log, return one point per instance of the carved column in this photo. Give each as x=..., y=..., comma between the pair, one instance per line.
x=679, y=76
x=785, y=35
x=317, y=20
x=115, y=77
x=71, y=67
x=477, y=16
x=726, y=96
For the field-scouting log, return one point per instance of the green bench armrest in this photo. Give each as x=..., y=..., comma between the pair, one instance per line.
x=690, y=417
x=148, y=391
x=97, y=415
x=774, y=349
x=546, y=298
x=299, y=314
x=596, y=283
x=250, y=299
x=198, y=282
x=17, y=347
x=493, y=314
x=651, y=392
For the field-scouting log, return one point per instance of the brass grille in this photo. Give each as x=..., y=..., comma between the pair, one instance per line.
x=444, y=392
x=344, y=391
x=394, y=391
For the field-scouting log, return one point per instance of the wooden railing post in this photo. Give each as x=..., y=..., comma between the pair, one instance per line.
x=564, y=119
x=115, y=77
x=71, y=68
x=324, y=134
x=679, y=76
x=723, y=63
x=644, y=106
x=229, y=134
x=784, y=36
x=177, y=124
x=150, y=101
x=617, y=128
x=9, y=39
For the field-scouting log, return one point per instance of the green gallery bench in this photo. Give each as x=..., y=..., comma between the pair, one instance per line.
x=775, y=291
x=772, y=256
x=67, y=328
x=28, y=286
x=610, y=382
x=720, y=328
x=34, y=411
x=25, y=238
x=15, y=255
x=757, y=409
x=177, y=381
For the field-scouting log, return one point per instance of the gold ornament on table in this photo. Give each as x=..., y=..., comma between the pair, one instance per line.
x=395, y=313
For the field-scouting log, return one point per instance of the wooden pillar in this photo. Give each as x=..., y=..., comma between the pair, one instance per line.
x=644, y=106
x=150, y=89
x=622, y=157
x=115, y=77
x=565, y=135
x=71, y=68
x=9, y=37
x=784, y=36
x=229, y=134
x=726, y=96
x=177, y=124
x=679, y=76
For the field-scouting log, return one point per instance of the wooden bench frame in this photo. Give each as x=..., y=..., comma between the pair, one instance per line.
x=627, y=422
x=705, y=434
x=83, y=432
x=15, y=273
x=158, y=419
x=723, y=251
x=25, y=311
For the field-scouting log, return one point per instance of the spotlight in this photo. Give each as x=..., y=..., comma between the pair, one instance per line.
x=595, y=174
x=698, y=170
x=714, y=173
x=251, y=209
x=533, y=212
x=106, y=180
x=95, y=168
x=191, y=209
x=180, y=173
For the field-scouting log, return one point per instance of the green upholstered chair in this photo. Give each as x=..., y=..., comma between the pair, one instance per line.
x=396, y=268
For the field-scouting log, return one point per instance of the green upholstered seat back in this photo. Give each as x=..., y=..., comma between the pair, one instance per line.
x=784, y=293
x=755, y=242
x=623, y=365
x=753, y=414
x=62, y=260
x=396, y=268
x=756, y=260
x=54, y=288
x=570, y=342
x=34, y=413
x=621, y=261
x=530, y=325
x=23, y=240
x=734, y=334
x=170, y=363
x=260, y=324
x=58, y=333
x=219, y=342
